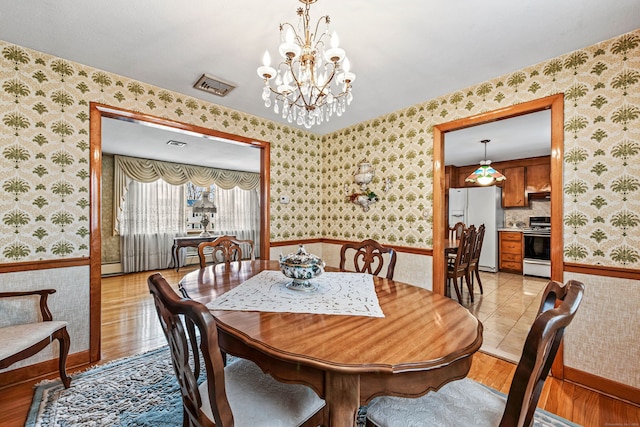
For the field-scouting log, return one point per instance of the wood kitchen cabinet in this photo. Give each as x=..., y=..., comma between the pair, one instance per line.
x=510, y=251
x=538, y=179
x=513, y=194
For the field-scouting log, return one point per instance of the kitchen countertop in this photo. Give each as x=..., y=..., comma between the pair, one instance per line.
x=516, y=229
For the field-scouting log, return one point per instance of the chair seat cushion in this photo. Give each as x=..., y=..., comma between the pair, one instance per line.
x=14, y=339
x=256, y=399
x=458, y=403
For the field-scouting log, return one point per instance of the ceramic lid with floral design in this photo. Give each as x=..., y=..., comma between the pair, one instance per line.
x=301, y=259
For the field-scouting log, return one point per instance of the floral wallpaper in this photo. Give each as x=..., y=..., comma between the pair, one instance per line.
x=601, y=84
x=44, y=138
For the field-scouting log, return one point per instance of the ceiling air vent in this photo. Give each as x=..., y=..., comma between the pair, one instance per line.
x=176, y=143
x=213, y=85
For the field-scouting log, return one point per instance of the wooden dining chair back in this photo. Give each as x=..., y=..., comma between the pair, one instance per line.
x=225, y=249
x=368, y=257
x=455, y=232
x=25, y=339
x=481, y=406
x=540, y=349
x=474, y=261
x=458, y=267
x=257, y=398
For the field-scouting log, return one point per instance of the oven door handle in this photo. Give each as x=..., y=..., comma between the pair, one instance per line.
x=536, y=235
x=536, y=261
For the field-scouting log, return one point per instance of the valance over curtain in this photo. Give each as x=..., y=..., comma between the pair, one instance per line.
x=145, y=170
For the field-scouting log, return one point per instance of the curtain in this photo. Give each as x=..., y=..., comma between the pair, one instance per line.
x=238, y=215
x=152, y=215
x=145, y=170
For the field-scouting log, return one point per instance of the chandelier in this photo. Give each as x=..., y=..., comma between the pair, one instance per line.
x=485, y=174
x=302, y=82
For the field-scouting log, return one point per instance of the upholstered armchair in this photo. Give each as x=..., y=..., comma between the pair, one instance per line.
x=17, y=342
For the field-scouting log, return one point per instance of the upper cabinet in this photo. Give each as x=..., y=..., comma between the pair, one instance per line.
x=539, y=179
x=513, y=187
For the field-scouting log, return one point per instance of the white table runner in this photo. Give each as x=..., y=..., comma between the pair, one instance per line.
x=350, y=294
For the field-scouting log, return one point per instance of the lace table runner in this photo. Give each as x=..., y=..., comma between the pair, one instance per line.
x=350, y=294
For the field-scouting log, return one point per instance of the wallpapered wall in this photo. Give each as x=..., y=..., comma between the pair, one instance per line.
x=601, y=84
x=44, y=138
x=45, y=144
x=110, y=243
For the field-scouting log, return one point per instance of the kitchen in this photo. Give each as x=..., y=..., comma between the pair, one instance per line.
x=515, y=210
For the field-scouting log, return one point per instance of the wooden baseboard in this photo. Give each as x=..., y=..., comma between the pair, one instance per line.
x=603, y=385
x=41, y=369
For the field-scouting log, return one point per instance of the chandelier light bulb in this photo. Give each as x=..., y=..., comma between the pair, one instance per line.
x=335, y=40
x=288, y=36
x=266, y=59
x=266, y=72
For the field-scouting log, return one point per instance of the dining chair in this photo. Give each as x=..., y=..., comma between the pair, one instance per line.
x=22, y=340
x=468, y=403
x=368, y=257
x=456, y=230
x=238, y=394
x=475, y=259
x=225, y=249
x=458, y=267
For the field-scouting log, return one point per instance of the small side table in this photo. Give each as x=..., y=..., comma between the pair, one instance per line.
x=184, y=242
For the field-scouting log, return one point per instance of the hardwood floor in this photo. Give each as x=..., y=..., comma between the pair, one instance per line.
x=130, y=326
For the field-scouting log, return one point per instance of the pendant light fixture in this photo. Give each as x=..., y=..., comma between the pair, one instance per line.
x=485, y=174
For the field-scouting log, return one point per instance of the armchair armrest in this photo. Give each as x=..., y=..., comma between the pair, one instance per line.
x=44, y=294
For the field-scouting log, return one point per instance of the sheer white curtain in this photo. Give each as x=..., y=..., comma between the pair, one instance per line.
x=152, y=215
x=238, y=214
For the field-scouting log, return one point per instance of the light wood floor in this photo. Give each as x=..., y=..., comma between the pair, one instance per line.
x=130, y=327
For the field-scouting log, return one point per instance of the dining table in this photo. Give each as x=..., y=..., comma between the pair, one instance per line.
x=451, y=245
x=418, y=342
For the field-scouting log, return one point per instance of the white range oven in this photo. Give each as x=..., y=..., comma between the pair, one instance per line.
x=537, y=247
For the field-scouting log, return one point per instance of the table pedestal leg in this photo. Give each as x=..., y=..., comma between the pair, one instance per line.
x=342, y=398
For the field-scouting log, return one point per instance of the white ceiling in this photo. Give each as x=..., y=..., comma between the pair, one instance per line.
x=150, y=142
x=403, y=52
x=519, y=137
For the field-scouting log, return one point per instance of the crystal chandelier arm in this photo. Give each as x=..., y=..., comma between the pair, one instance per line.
x=326, y=20
x=296, y=37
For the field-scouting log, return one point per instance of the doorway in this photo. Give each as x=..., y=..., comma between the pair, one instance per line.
x=97, y=113
x=554, y=103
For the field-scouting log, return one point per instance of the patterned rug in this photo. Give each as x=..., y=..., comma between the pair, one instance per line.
x=134, y=391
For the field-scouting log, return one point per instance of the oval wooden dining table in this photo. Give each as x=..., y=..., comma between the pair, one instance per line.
x=424, y=341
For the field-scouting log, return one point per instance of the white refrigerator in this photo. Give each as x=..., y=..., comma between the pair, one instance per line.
x=477, y=206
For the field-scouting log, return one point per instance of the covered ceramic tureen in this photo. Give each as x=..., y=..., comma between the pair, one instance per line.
x=301, y=267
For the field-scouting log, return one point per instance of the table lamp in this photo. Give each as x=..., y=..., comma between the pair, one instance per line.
x=205, y=207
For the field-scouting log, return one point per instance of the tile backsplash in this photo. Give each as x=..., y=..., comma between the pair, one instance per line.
x=519, y=217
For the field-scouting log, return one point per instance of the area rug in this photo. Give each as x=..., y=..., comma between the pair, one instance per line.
x=135, y=391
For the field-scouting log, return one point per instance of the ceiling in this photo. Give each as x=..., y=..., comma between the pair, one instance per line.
x=139, y=140
x=403, y=52
x=519, y=137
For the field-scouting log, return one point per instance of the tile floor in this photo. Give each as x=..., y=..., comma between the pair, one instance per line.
x=506, y=309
